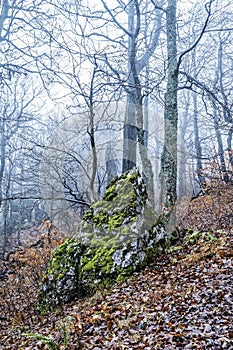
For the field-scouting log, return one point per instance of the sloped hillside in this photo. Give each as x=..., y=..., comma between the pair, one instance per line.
x=183, y=300
x=212, y=211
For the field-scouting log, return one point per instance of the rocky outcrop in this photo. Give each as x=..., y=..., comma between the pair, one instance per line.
x=117, y=236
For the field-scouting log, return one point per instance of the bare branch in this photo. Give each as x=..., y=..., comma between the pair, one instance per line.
x=208, y=10
x=115, y=20
x=209, y=92
x=158, y=7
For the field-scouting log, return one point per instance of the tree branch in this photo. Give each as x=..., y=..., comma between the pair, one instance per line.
x=158, y=7
x=208, y=91
x=115, y=20
x=141, y=63
x=208, y=10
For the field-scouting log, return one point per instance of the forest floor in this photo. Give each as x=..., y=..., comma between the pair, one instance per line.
x=183, y=300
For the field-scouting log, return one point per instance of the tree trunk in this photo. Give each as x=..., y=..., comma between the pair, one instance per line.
x=3, y=152
x=135, y=66
x=223, y=169
x=130, y=130
x=146, y=163
x=229, y=148
x=91, y=133
x=129, y=135
x=227, y=117
x=197, y=142
x=111, y=163
x=169, y=156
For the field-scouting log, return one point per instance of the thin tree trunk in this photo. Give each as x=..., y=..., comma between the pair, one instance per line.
x=3, y=151
x=146, y=163
x=229, y=148
x=94, y=156
x=227, y=118
x=197, y=142
x=223, y=169
x=91, y=133
x=146, y=106
x=111, y=165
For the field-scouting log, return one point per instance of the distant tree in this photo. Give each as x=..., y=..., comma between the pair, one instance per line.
x=116, y=58
x=16, y=117
x=212, y=102
x=22, y=36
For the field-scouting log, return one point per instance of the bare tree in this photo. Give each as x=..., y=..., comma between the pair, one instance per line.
x=16, y=119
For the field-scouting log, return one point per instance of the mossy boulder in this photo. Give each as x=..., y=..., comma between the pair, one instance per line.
x=117, y=236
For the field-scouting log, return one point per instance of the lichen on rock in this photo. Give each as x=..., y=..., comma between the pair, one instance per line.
x=117, y=236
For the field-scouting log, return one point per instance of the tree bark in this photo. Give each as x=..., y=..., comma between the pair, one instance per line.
x=197, y=142
x=223, y=169
x=133, y=102
x=168, y=173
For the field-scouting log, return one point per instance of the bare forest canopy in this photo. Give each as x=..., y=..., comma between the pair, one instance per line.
x=90, y=89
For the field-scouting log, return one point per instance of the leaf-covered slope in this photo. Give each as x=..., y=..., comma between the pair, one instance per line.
x=213, y=211
x=183, y=300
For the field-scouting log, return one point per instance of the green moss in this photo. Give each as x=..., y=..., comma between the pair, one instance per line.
x=110, y=193
x=115, y=221
x=102, y=259
x=192, y=237
x=100, y=219
x=44, y=307
x=96, y=205
x=174, y=249
x=124, y=274
x=106, y=283
x=58, y=267
x=125, y=230
x=112, y=224
x=120, y=201
x=88, y=215
x=152, y=252
x=123, y=194
x=161, y=220
x=175, y=237
x=57, y=264
x=121, y=278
